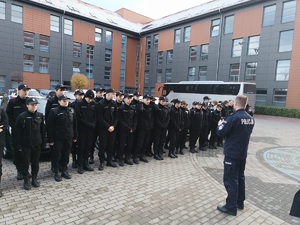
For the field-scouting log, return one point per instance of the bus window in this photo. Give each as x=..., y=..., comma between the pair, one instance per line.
x=249, y=88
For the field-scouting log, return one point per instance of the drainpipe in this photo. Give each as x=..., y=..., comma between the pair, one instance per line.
x=62, y=48
x=220, y=40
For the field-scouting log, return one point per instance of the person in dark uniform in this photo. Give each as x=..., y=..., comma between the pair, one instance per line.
x=143, y=131
x=149, y=151
x=100, y=92
x=14, y=108
x=3, y=127
x=186, y=125
x=175, y=126
x=214, y=119
x=29, y=134
x=61, y=132
x=135, y=101
x=107, y=118
x=127, y=125
x=52, y=103
x=205, y=127
x=86, y=116
x=196, y=121
x=119, y=102
x=78, y=97
x=161, y=122
x=236, y=129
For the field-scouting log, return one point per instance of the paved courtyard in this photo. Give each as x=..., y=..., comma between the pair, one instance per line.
x=186, y=190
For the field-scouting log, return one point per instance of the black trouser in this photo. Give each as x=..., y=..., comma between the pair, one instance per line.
x=125, y=144
x=173, y=136
x=85, y=141
x=213, y=136
x=194, y=135
x=159, y=135
x=150, y=142
x=234, y=182
x=117, y=140
x=182, y=138
x=30, y=155
x=16, y=154
x=106, y=143
x=74, y=151
x=61, y=153
x=1, y=152
x=95, y=136
x=203, y=136
x=142, y=140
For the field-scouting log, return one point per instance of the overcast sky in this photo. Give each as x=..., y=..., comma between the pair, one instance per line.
x=152, y=8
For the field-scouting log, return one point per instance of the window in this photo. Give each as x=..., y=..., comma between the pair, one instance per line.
x=237, y=47
x=16, y=14
x=76, y=49
x=202, y=73
x=159, y=75
x=89, y=70
x=148, y=59
x=279, y=97
x=168, y=75
x=68, y=27
x=108, y=53
x=160, y=58
x=54, y=23
x=148, y=42
x=123, y=58
x=2, y=83
x=44, y=43
x=215, y=27
x=76, y=67
x=250, y=74
x=289, y=12
x=283, y=70
x=90, y=52
x=28, y=40
x=107, y=72
x=193, y=53
x=204, y=52
x=155, y=40
x=261, y=97
x=98, y=34
x=228, y=28
x=28, y=63
x=169, y=56
x=2, y=10
x=177, y=36
x=122, y=79
x=187, y=34
x=234, y=72
x=146, y=76
x=44, y=65
x=108, y=37
x=269, y=15
x=191, y=73
x=253, y=47
x=286, y=41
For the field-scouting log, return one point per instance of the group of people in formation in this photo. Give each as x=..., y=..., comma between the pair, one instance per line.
x=125, y=128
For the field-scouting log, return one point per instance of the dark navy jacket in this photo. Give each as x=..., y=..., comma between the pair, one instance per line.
x=236, y=129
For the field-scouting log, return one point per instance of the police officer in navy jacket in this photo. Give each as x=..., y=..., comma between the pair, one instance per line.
x=236, y=129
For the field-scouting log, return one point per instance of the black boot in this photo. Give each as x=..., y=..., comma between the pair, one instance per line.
x=57, y=177
x=74, y=164
x=26, y=185
x=34, y=182
x=181, y=152
x=174, y=154
x=171, y=154
x=101, y=166
x=19, y=175
x=80, y=169
x=87, y=167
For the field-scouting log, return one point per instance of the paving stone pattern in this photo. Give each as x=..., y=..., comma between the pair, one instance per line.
x=186, y=190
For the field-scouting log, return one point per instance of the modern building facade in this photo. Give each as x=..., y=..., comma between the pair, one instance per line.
x=46, y=41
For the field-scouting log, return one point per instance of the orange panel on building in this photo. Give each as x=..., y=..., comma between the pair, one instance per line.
x=133, y=16
x=142, y=59
x=158, y=89
x=293, y=94
x=36, y=21
x=84, y=33
x=131, y=62
x=247, y=23
x=200, y=33
x=166, y=40
x=116, y=60
x=36, y=80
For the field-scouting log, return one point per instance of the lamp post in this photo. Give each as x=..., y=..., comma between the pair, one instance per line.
x=241, y=43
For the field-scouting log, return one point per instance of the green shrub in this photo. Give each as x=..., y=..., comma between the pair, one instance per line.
x=277, y=111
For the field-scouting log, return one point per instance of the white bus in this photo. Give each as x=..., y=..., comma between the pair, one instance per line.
x=191, y=91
